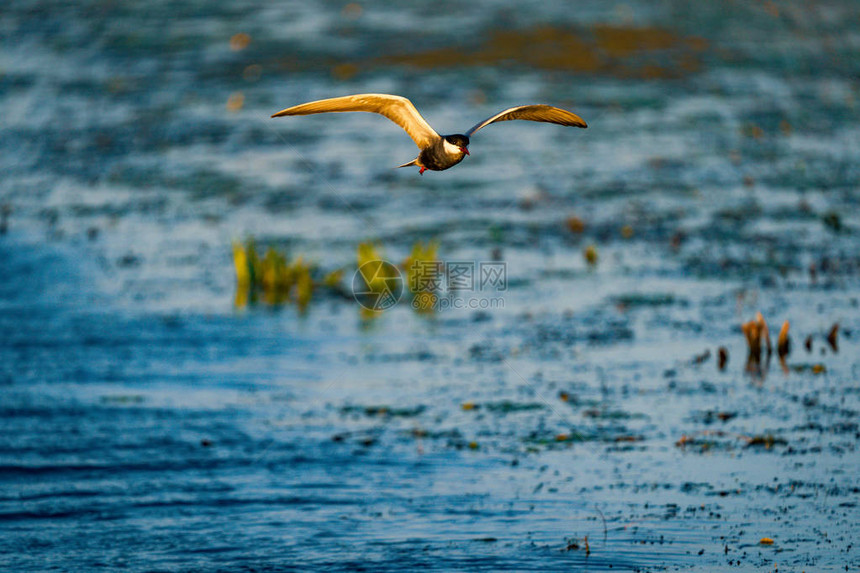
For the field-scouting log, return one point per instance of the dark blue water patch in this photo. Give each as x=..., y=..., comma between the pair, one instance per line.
x=53, y=331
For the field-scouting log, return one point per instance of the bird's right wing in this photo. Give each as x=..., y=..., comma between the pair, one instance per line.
x=396, y=108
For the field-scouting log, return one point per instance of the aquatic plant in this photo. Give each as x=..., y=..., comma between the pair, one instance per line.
x=833, y=337
x=423, y=287
x=575, y=224
x=722, y=357
x=421, y=273
x=380, y=281
x=590, y=254
x=757, y=336
x=783, y=342
x=377, y=275
x=756, y=332
x=421, y=257
x=275, y=278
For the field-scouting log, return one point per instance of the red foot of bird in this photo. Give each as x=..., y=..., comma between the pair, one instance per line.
x=422, y=170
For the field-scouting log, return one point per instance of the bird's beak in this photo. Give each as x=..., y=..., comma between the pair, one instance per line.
x=464, y=150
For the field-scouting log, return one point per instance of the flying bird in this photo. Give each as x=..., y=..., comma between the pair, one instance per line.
x=438, y=152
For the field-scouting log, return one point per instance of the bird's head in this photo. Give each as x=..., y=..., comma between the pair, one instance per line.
x=457, y=144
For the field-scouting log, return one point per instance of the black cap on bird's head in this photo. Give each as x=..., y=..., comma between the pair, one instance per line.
x=459, y=140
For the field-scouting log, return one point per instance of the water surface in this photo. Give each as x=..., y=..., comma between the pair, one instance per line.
x=149, y=424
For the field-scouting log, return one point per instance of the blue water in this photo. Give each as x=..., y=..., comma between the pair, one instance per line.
x=147, y=423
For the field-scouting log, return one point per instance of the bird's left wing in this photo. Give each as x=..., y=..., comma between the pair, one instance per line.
x=396, y=108
x=546, y=113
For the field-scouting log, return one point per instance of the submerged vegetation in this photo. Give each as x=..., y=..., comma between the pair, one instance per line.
x=760, y=348
x=275, y=279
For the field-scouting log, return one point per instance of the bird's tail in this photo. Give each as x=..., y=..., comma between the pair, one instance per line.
x=413, y=162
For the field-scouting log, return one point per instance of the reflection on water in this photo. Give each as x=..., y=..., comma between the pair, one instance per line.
x=154, y=416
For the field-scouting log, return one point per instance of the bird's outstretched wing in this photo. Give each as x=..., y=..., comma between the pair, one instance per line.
x=396, y=108
x=545, y=113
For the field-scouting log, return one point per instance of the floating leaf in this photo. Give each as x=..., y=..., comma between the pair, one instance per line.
x=239, y=41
